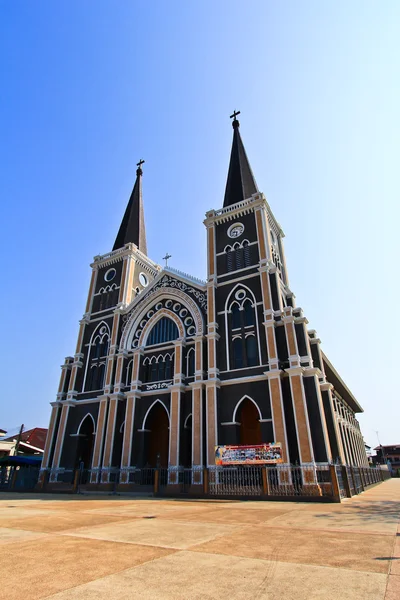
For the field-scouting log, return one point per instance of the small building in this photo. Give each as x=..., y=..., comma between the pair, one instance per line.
x=31, y=442
x=389, y=455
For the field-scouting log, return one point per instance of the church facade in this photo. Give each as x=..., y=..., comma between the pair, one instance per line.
x=167, y=366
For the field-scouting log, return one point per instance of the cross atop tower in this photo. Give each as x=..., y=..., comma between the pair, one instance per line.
x=235, y=114
x=139, y=167
x=166, y=257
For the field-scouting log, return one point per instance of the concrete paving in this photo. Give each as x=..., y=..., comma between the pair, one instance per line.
x=105, y=547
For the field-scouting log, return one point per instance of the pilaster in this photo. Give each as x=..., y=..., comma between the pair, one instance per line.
x=176, y=393
x=197, y=423
x=99, y=438
x=131, y=399
x=301, y=416
x=211, y=417
x=61, y=434
x=110, y=431
x=327, y=387
x=288, y=320
x=278, y=412
x=92, y=286
x=55, y=411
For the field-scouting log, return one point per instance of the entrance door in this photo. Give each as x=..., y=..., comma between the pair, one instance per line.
x=250, y=426
x=85, y=444
x=158, y=423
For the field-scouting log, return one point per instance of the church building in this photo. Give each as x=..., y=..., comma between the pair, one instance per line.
x=168, y=366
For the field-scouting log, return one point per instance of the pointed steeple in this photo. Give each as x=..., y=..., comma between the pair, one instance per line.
x=132, y=228
x=240, y=183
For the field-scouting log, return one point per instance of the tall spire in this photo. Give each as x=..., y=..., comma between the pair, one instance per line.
x=240, y=183
x=132, y=228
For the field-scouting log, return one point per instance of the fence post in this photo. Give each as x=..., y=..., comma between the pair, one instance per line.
x=335, y=483
x=264, y=474
x=205, y=480
x=360, y=470
x=354, y=480
x=156, y=481
x=76, y=481
x=43, y=480
x=346, y=481
x=381, y=470
x=14, y=478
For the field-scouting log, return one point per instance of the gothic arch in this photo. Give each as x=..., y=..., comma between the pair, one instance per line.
x=185, y=425
x=163, y=312
x=96, y=334
x=235, y=288
x=88, y=415
x=232, y=301
x=149, y=409
x=154, y=297
x=245, y=397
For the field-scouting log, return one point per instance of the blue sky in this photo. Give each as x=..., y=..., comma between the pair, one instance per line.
x=90, y=87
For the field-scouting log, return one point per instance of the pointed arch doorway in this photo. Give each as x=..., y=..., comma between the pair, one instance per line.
x=250, y=426
x=157, y=426
x=84, y=450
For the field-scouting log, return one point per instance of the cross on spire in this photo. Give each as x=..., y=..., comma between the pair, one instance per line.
x=140, y=163
x=166, y=257
x=235, y=114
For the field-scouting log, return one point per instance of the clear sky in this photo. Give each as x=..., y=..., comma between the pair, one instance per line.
x=88, y=88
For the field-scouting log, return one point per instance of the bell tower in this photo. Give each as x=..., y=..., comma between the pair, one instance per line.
x=258, y=344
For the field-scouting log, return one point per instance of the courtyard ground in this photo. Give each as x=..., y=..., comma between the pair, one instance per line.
x=106, y=547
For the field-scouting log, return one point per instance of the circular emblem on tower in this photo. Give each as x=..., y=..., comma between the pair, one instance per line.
x=235, y=230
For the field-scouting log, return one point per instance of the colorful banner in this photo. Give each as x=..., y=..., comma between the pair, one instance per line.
x=260, y=454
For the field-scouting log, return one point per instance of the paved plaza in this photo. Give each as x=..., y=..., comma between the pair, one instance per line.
x=106, y=547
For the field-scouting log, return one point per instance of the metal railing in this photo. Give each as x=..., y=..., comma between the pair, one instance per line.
x=235, y=481
x=328, y=481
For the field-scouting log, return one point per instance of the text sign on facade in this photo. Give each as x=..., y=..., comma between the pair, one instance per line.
x=260, y=454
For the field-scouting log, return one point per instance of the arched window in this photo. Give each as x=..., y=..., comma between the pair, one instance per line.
x=98, y=350
x=237, y=353
x=97, y=347
x=251, y=351
x=129, y=372
x=248, y=313
x=236, y=316
x=190, y=366
x=241, y=331
x=165, y=330
x=246, y=253
x=105, y=344
x=92, y=378
x=229, y=259
x=161, y=370
x=168, y=368
x=101, y=371
x=153, y=372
